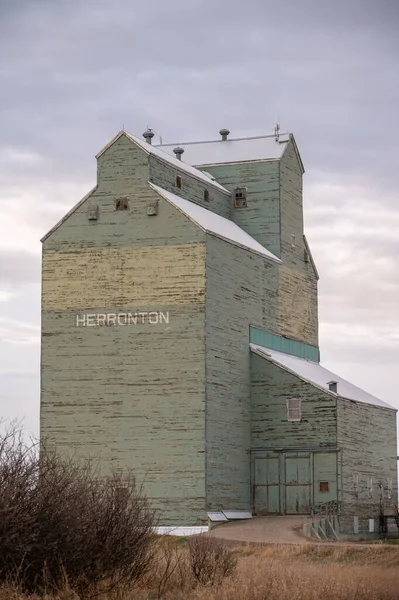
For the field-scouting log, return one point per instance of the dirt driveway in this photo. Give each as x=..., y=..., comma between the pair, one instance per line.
x=264, y=530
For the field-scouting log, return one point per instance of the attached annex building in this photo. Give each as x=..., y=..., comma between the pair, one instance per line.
x=180, y=338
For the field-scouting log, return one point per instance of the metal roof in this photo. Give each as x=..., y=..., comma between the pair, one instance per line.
x=318, y=376
x=215, y=225
x=231, y=151
x=168, y=158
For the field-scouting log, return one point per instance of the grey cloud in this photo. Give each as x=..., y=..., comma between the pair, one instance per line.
x=81, y=72
x=78, y=71
x=18, y=267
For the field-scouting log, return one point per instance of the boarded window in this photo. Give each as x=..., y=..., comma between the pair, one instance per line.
x=294, y=412
x=178, y=182
x=121, y=204
x=323, y=486
x=206, y=195
x=240, y=197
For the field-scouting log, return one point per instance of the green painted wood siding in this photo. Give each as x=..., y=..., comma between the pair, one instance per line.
x=121, y=228
x=274, y=217
x=261, y=217
x=282, y=344
x=240, y=289
x=367, y=436
x=298, y=298
x=270, y=389
x=291, y=208
x=164, y=175
x=134, y=395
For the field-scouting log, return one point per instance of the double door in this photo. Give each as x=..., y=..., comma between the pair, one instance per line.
x=289, y=482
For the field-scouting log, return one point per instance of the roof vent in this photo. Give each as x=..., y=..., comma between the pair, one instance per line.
x=148, y=135
x=224, y=133
x=178, y=152
x=333, y=386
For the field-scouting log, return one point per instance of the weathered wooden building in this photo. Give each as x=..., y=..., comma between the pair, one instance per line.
x=180, y=338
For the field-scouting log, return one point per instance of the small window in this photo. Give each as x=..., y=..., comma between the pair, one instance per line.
x=294, y=412
x=178, y=182
x=206, y=196
x=121, y=204
x=324, y=486
x=240, y=197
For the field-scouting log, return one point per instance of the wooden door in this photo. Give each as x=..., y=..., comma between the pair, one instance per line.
x=297, y=483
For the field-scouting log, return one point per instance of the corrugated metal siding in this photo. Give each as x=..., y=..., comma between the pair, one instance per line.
x=281, y=344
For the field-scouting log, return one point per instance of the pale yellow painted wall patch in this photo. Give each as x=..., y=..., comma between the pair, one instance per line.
x=127, y=276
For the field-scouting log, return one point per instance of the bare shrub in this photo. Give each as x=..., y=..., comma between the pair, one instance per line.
x=171, y=567
x=60, y=522
x=210, y=560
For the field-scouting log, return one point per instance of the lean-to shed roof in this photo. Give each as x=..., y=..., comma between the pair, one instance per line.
x=317, y=375
x=215, y=224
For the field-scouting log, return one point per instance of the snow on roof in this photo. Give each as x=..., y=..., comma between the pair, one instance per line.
x=215, y=224
x=232, y=150
x=178, y=164
x=317, y=375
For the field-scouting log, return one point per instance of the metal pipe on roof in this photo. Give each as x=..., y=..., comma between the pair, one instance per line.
x=148, y=135
x=178, y=152
x=224, y=133
x=333, y=386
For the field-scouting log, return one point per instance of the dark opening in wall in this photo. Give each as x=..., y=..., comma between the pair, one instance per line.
x=206, y=195
x=121, y=204
x=324, y=486
x=240, y=197
x=178, y=182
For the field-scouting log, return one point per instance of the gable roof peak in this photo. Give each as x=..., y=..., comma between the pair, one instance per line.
x=152, y=150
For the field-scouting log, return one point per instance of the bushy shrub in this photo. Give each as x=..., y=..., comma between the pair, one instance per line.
x=210, y=560
x=60, y=522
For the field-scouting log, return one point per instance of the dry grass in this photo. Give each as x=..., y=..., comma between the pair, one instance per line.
x=271, y=573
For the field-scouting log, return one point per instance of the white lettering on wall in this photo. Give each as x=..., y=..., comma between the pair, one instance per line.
x=111, y=319
x=91, y=320
x=164, y=317
x=101, y=319
x=122, y=318
x=80, y=321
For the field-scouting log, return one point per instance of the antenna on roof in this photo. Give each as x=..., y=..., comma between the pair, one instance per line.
x=276, y=130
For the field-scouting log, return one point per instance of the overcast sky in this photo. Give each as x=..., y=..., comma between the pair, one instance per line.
x=73, y=73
